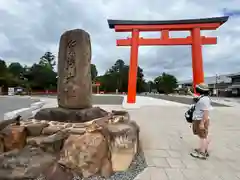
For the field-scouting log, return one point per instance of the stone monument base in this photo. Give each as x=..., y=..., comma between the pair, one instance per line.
x=102, y=148
x=70, y=115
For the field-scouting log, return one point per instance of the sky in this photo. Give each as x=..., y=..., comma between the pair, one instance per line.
x=29, y=28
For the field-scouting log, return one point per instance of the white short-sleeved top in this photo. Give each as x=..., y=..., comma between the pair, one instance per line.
x=203, y=104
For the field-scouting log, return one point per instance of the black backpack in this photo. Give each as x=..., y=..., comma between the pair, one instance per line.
x=189, y=113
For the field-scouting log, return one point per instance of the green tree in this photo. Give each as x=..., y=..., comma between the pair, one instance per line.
x=41, y=77
x=3, y=73
x=16, y=69
x=150, y=86
x=48, y=60
x=166, y=83
x=3, y=68
x=118, y=73
x=117, y=78
x=94, y=72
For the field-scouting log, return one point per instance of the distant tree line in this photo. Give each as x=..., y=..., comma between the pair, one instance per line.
x=41, y=76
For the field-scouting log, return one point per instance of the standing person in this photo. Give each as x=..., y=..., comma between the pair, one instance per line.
x=201, y=121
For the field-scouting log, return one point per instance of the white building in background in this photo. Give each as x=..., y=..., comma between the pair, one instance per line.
x=217, y=83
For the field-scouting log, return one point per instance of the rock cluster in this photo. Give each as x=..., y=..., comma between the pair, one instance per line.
x=58, y=150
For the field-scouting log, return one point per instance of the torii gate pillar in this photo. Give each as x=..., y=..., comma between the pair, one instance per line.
x=195, y=40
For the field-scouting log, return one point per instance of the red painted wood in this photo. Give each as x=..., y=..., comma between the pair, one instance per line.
x=197, y=62
x=165, y=34
x=172, y=41
x=175, y=27
x=133, y=68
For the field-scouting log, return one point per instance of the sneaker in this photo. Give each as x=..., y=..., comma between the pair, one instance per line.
x=199, y=155
x=207, y=153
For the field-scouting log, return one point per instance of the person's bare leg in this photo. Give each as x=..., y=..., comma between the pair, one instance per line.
x=207, y=143
x=202, y=145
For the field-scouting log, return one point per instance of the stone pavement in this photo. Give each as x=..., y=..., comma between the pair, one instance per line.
x=167, y=141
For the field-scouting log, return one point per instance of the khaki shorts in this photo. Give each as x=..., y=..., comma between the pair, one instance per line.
x=202, y=133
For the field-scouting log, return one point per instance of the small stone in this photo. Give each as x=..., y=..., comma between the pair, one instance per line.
x=35, y=129
x=15, y=137
x=121, y=113
x=51, y=130
x=35, y=141
x=124, y=114
x=68, y=125
x=79, y=125
x=44, y=121
x=78, y=131
x=26, y=123
x=53, y=123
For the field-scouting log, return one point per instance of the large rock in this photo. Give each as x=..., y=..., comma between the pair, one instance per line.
x=124, y=140
x=51, y=130
x=27, y=163
x=74, y=71
x=51, y=144
x=70, y=115
x=1, y=144
x=57, y=172
x=14, y=137
x=86, y=154
x=35, y=129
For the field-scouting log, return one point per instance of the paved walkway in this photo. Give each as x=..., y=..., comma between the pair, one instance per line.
x=10, y=103
x=167, y=140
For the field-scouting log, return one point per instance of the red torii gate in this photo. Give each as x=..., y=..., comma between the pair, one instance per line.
x=195, y=40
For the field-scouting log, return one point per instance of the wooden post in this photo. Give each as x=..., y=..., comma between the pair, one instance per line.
x=133, y=68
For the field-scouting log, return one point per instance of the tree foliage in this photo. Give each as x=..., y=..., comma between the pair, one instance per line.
x=41, y=76
x=94, y=72
x=48, y=60
x=16, y=69
x=116, y=78
x=166, y=83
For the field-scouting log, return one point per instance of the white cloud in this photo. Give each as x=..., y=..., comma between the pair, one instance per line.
x=28, y=28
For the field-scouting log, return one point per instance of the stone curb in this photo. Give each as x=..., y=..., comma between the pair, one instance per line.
x=142, y=101
x=25, y=112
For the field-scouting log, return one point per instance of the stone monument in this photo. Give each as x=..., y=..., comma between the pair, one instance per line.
x=74, y=81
